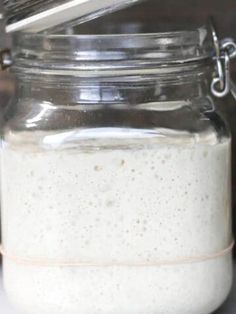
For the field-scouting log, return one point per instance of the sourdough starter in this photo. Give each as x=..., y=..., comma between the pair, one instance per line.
x=154, y=202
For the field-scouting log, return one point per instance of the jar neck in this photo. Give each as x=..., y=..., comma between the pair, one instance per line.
x=113, y=69
x=172, y=84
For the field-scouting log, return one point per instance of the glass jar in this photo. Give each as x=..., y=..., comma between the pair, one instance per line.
x=6, y=80
x=116, y=176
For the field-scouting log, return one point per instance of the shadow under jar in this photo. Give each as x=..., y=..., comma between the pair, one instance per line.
x=116, y=177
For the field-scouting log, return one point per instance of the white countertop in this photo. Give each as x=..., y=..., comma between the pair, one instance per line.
x=228, y=308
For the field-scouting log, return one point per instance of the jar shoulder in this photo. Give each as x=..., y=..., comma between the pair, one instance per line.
x=30, y=121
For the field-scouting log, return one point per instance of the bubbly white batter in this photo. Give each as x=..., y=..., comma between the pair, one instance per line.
x=152, y=202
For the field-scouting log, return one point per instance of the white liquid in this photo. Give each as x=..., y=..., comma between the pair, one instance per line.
x=162, y=202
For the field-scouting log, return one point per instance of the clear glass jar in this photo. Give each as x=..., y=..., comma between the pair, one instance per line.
x=116, y=177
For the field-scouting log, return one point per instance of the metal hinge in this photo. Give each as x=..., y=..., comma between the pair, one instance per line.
x=5, y=59
x=225, y=50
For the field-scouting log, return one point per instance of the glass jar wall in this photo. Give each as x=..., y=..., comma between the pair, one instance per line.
x=121, y=168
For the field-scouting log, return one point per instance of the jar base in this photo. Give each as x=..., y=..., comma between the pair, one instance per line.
x=198, y=288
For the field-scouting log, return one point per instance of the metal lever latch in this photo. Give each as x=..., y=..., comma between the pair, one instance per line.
x=225, y=50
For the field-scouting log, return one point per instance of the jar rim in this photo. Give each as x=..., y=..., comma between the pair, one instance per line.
x=111, y=51
x=179, y=33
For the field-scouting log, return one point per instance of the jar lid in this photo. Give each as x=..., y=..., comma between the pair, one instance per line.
x=37, y=16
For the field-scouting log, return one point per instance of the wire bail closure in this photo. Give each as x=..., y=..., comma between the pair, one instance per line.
x=225, y=50
x=5, y=59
